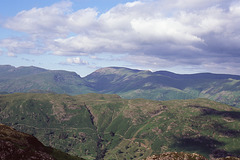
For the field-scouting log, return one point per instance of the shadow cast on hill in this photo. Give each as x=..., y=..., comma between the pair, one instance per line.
x=227, y=116
x=203, y=145
x=219, y=153
x=210, y=111
x=207, y=145
x=225, y=131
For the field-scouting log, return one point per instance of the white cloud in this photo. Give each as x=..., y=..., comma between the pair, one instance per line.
x=93, y=57
x=14, y=46
x=76, y=60
x=177, y=32
x=235, y=9
x=162, y=30
x=40, y=21
x=10, y=54
x=142, y=60
x=82, y=20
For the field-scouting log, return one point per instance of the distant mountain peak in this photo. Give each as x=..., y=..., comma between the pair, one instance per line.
x=114, y=69
x=118, y=71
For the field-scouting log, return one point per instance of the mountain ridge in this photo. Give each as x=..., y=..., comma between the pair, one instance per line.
x=198, y=75
x=126, y=82
x=162, y=72
x=164, y=85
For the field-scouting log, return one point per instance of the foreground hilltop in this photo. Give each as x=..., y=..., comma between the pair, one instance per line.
x=100, y=126
x=16, y=145
x=128, y=83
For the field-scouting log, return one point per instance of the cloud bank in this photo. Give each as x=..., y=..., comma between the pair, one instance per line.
x=156, y=33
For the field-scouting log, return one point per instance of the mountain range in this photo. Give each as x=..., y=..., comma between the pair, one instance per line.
x=128, y=83
x=106, y=126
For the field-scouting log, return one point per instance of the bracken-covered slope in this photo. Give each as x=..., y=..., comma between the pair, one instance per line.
x=97, y=126
x=16, y=145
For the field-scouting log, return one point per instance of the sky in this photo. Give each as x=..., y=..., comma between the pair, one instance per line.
x=181, y=36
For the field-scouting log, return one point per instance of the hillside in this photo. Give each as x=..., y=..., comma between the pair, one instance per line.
x=17, y=145
x=107, y=126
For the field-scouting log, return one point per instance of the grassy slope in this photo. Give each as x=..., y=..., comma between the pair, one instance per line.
x=95, y=125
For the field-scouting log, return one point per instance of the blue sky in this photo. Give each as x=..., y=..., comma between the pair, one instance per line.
x=181, y=36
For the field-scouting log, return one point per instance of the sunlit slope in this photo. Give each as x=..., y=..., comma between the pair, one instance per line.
x=107, y=126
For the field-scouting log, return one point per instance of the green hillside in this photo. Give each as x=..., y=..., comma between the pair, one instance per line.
x=100, y=126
